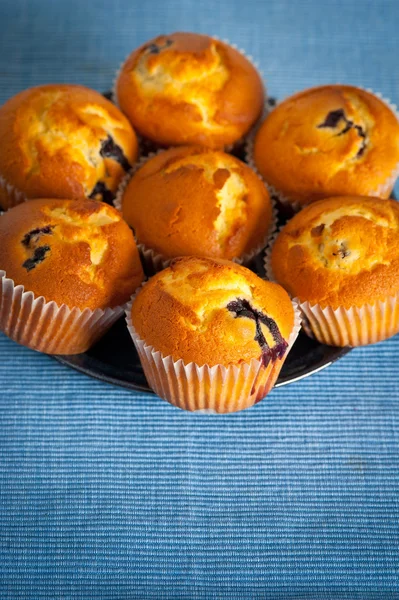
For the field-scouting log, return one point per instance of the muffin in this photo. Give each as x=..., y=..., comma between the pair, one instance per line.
x=188, y=88
x=63, y=141
x=333, y=140
x=211, y=334
x=195, y=201
x=67, y=267
x=339, y=258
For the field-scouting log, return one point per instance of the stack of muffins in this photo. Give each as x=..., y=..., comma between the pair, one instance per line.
x=210, y=333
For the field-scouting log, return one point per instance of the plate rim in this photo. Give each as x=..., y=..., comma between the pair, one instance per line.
x=71, y=361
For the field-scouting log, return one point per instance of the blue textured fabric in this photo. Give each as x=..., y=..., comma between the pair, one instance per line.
x=106, y=493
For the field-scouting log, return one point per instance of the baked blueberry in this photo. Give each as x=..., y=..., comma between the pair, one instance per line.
x=211, y=334
x=188, y=88
x=39, y=254
x=58, y=141
x=242, y=308
x=332, y=140
x=75, y=252
x=339, y=257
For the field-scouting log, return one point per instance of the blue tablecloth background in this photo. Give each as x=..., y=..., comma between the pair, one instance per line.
x=106, y=493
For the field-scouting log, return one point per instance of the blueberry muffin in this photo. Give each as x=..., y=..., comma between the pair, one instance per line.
x=211, y=334
x=332, y=140
x=339, y=258
x=196, y=201
x=79, y=258
x=187, y=88
x=63, y=141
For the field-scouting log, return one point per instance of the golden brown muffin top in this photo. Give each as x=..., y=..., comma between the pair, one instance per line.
x=195, y=201
x=187, y=88
x=331, y=140
x=340, y=252
x=213, y=312
x=64, y=141
x=75, y=252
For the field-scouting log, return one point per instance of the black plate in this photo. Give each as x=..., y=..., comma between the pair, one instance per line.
x=114, y=358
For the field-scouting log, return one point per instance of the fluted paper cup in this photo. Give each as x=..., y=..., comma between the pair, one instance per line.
x=14, y=195
x=124, y=183
x=354, y=326
x=47, y=327
x=216, y=389
x=289, y=205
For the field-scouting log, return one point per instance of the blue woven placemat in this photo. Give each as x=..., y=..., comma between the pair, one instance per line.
x=106, y=493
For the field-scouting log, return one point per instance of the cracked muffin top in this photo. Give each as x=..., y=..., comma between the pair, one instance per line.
x=212, y=312
x=340, y=252
x=187, y=88
x=63, y=141
x=75, y=252
x=196, y=201
x=327, y=141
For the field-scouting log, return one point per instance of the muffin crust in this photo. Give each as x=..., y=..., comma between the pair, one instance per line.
x=75, y=252
x=329, y=141
x=195, y=201
x=64, y=141
x=187, y=88
x=213, y=312
x=340, y=252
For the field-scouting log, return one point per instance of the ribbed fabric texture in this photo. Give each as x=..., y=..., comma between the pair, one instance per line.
x=106, y=493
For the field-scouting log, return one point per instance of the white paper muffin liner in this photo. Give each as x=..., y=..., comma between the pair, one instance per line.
x=216, y=389
x=384, y=189
x=15, y=196
x=274, y=193
x=267, y=262
x=47, y=327
x=153, y=261
x=230, y=147
x=354, y=326
x=124, y=183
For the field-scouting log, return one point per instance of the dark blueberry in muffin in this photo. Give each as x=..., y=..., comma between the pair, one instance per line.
x=39, y=255
x=110, y=149
x=332, y=120
x=156, y=48
x=100, y=189
x=343, y=251
x=34, y=235
x=242, y=308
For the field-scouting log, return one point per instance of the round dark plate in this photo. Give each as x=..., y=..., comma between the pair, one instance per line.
x=114, y=358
